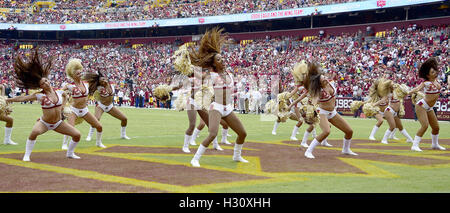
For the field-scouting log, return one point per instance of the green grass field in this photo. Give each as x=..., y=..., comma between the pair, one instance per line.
x=149, y=127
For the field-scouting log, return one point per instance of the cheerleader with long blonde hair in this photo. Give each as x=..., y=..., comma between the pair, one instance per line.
x=424, y=103
x=34, y=75
x=381, y=97
x=378, y=116
x=321, y=90
x=103, y=92
x=396, y=104
x=79, y=92
x=208, y=56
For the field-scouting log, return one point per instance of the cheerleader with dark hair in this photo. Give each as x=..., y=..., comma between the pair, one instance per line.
x=208, y=56
x=322, y=90
x=195, y=98
x=103, y=93
x=424, y=106
x=33, y=75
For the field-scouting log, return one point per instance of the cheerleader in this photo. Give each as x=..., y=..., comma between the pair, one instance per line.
x=319, y=87
x=424, y=107
x=79, y=91
x=208, y=56
x=299, y=73
x=396, y=105
x=104, y=92
x=197, y=86
x=33, y=75
x=382, y=91
x=4, y=116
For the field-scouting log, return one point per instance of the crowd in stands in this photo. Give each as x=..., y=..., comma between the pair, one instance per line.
x=351, y=60
x=90, y=11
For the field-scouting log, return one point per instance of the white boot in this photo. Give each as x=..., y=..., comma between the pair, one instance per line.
x=294, y=133
x=392, y=135
x=237, y=153
x=7, y=140
x=216, y=145
x=71, y=149
x=408, y=138
x=372, y=134
x=99, y=140
x=228, y=134
x=325, y=143
x=415, y=146
x=91, y=131
x=386, y=136
x=123, y=133
x=305, y=139
x=187, y=139
x=346, y=147
x=435, y=142
x=224, y=137
x=65, y=142
x=310, y=149
x=195, y=162
x=275, y=127
x=194, y=136
x=28, y=149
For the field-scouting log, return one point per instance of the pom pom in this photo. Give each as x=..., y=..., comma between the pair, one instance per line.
x=401, y=112
x=5, y=108
x=270, y=107
x=96, y=95
x=181, y=102
x=204, y=96
x=67, y=111
x=400, y=91
x=355, y=105
x=417, y=96
x=162, y=92
x=182, y=61
x=309, y=113
x=78, y=120
x=370, y=109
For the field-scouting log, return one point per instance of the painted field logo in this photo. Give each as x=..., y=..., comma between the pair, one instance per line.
x=201, y=20
x=381, y=3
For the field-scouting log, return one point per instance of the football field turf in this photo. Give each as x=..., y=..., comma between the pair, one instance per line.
x=152, y=161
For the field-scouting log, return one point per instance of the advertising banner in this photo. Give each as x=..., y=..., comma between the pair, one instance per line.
x=288, y=13
x=442, y=108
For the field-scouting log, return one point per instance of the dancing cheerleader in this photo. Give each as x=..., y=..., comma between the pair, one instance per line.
x=5, y=110
x=208, y=56
x=424, y=106
x=33, y=75
x=79, y=91
x=319, y=87
x=381, y=92
x=103, y=93
x=198, y=101
x=299, y=73
x=396, y=104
